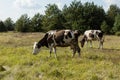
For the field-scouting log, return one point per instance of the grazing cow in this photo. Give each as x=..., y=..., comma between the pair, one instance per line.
x=90, y=35
x=61, y=38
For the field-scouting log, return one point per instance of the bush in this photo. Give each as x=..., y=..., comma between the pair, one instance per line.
x=117, y=33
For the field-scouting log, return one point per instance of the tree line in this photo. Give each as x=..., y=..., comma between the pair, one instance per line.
x=75, y=16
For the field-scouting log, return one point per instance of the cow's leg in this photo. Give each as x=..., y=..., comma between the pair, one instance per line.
x=54, y=50
x=50, y=50
x=74, y=51
x=91, y=44
x=87, y=43
x=100, y=45
x=78, y=50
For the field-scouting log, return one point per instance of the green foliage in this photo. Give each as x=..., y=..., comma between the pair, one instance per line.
x=2, y=27
x=9, y=24
x=116, y=27
x=53, y=18
x=23, y=24
x=73, y=15
x=83, y=17
x=93, y=15
x=36, y=22
x=111, y=14
x=105, y=27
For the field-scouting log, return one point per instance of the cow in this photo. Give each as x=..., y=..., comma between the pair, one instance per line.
x=90, y=35
x=60, y=38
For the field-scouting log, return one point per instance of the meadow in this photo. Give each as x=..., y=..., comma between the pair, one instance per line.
x=18, y=63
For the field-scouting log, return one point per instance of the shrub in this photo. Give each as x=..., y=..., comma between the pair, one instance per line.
x=117, y=33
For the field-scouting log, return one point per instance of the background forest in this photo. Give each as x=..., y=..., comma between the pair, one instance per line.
x=75, y=16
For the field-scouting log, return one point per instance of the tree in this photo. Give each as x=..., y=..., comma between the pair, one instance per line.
x=37, y=22
x=116, y=27
x=53, y=18
x=105, y=27
x=9, y=24
x=111, y=14
x=2, y=27
x=23, y=24
x=93, y=15
x=82, y=17
x=73, y=15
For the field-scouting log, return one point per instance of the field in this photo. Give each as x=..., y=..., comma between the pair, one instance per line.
x=18, y=63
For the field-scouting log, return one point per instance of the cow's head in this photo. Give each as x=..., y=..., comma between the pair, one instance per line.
x=77, y=33
x=38, y=45
x=36, y=48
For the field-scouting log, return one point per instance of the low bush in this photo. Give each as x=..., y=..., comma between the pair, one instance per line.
x=117, y=33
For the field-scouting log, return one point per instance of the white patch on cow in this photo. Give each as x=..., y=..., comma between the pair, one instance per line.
x=66, y=31
x=51, y=32
x=68, y=40
x=87, y=34
x=35, y=48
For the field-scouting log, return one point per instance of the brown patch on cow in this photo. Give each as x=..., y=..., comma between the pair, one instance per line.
x=59, y=36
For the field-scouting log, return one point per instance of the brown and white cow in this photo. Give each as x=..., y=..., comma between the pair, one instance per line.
x=61, y=38
x=90, y=35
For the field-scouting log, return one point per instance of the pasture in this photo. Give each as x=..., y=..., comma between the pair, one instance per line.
x=18, y=63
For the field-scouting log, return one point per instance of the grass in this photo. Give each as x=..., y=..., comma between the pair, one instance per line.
x=17, y=62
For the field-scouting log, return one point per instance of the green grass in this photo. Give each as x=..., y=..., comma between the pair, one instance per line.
x=94, y=64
